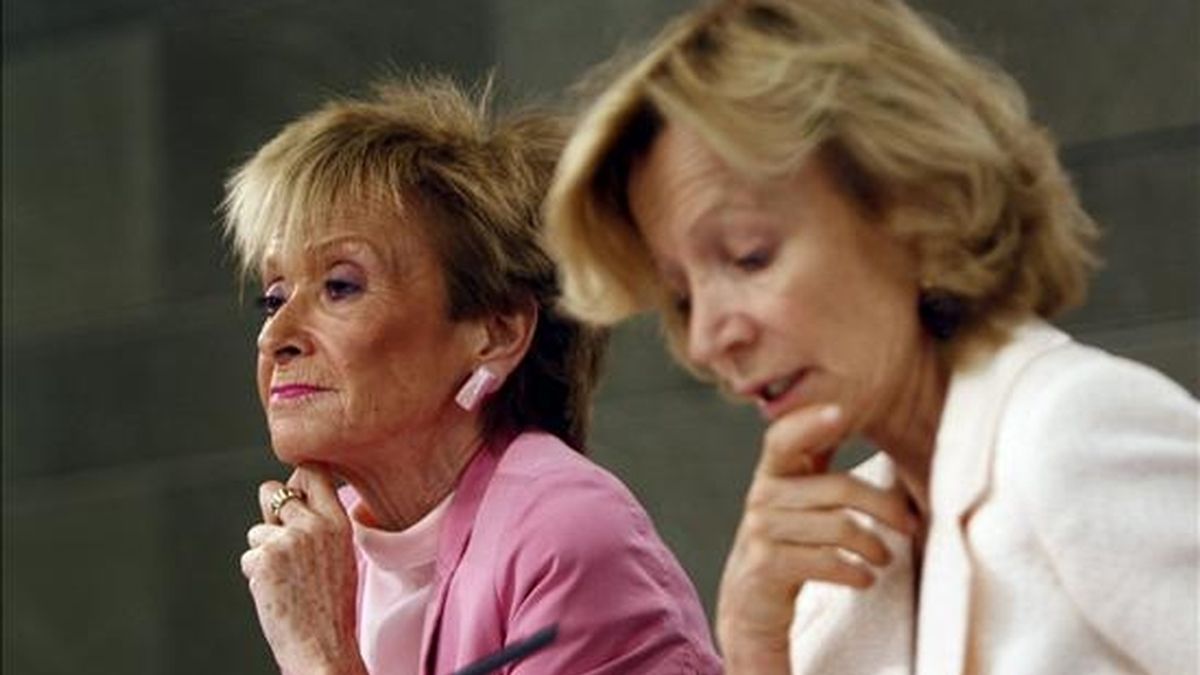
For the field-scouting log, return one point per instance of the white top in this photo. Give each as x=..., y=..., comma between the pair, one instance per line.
x=396, y=580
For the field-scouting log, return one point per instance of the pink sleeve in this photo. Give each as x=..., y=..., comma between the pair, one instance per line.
x=586, y=557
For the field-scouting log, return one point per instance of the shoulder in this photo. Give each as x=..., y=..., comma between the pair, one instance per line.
x=1081, y=380
x=1074, y=393
x=1078, y=416
x=1101, y=455
x=565, y=542
x=550, y=497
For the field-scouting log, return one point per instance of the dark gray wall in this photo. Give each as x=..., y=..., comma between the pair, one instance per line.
x=132, y=440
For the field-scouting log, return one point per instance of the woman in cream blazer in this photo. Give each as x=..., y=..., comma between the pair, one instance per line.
x=1063, y=537
x=847, y=220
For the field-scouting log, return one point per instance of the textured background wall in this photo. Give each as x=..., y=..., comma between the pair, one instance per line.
x=132, y=440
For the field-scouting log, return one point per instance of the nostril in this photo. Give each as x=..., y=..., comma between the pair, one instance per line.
x=286, y=352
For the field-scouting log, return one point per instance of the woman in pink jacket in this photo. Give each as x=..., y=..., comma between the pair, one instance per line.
x=411, y=348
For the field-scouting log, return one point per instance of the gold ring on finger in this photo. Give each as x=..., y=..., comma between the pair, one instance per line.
x=282, y=496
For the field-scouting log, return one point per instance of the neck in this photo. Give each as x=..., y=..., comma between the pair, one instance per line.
x=908, y=434
x=404, y=478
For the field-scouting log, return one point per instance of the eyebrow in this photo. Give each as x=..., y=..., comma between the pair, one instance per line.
x=323, y=248
x=343, y=241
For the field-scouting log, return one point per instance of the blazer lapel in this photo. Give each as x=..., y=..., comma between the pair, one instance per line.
x=961, y=476
x=452, y=543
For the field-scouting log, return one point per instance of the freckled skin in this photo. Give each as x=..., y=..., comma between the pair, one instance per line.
x=358, y=324
x=303, y=579
x=389, y=354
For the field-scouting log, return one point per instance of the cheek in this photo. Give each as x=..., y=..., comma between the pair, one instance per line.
x=263, y=378
x=378, y=372
x=801, y=305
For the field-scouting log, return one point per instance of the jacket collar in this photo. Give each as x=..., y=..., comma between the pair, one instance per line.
x=975, y=401
x=452, y=541
x=961, y=476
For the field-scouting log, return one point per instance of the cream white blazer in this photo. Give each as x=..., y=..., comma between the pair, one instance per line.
x=1064, y=534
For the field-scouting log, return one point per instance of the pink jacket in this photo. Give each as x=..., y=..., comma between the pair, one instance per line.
x=537, y=535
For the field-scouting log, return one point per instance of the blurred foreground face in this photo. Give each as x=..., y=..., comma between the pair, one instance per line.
x=791, y=295
x=356, y=346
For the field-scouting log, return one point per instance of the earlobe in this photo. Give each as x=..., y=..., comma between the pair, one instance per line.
x=481, y=383
x=506, y=338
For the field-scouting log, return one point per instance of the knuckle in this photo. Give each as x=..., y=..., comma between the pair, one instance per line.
x=777, y=445
x=321, y=529
x=766, y=525
x=283, y=546
x=843, y=488
x=273, y=550
x=844, y=527
x=773, y=438
x=827, y=562
x=760, y=494
x=326, y=525
x=755, y=525
x=857, y=577
x=247, y=561
x=758, y=557
x=839, y=488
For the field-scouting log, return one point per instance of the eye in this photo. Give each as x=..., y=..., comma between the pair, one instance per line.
x=272, y=300
x=754, y=261
x=341, y=289
x=344, y=280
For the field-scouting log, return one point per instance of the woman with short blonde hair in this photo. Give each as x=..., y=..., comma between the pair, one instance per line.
x=411, y=347
x=934, y=139
x=849, y=220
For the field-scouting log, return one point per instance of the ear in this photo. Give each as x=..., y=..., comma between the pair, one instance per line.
x=506, y=339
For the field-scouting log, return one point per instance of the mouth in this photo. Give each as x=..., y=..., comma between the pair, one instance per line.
x=292, y=392
x=775, y=389
x=778, y=395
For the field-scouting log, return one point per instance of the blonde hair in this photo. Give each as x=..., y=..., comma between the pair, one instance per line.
x=424, y=145
x=937, y=143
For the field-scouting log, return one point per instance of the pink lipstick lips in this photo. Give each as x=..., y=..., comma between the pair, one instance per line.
x=291, y=392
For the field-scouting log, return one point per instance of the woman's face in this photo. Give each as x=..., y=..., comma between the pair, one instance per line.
x=790, y=295
x=356, y=346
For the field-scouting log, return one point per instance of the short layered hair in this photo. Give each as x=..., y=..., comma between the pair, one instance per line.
x=935, y=143
x=477, y=179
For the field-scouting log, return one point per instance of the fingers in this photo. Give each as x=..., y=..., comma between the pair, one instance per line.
x=802, y=441
x=250, y=562
x=258, y=536
x=818, y=531
x=288, y=511
x=798, y=564
x=317, y=484
x=832, y=491
x=318, y=496
x=262, y=533
x=758, y=588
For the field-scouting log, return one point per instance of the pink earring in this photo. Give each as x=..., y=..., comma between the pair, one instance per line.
x=481, y=383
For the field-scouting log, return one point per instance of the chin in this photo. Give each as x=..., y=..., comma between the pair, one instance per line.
x=287, y=455
x=291, y=447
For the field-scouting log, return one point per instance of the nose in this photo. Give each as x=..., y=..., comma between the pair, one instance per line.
x=283, y=336
x=718, y=327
